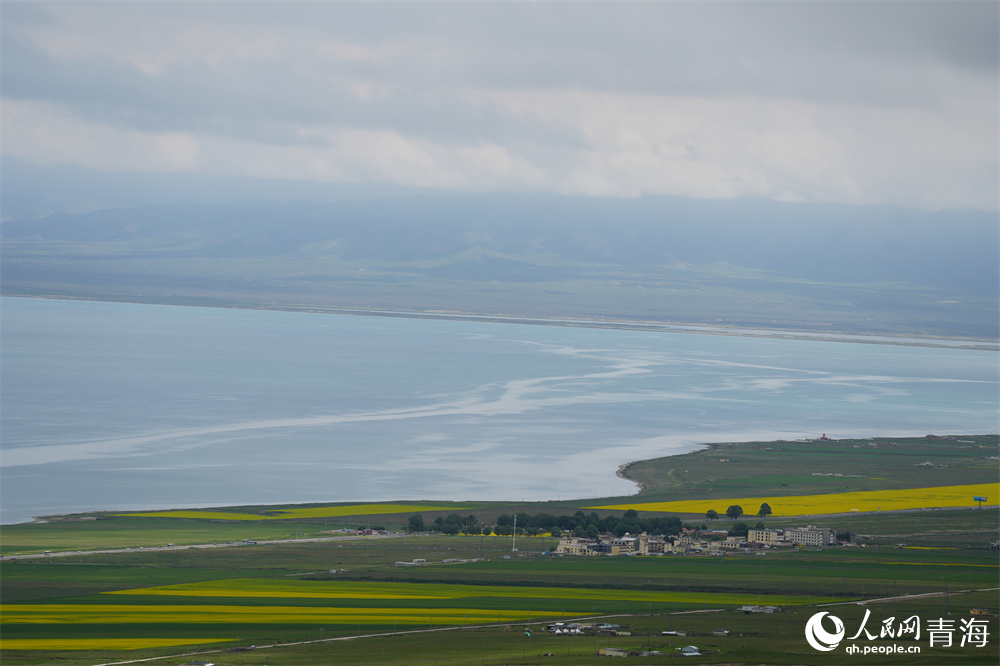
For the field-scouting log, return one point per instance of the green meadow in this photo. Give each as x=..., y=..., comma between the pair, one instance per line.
x=816, y=467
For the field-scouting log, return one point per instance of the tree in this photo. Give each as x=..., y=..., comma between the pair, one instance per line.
x=735, y=511
x=417, y=523
x=739, y=529
x=631, y=513
x=503, y=520
x=712, y=514
x=765, y=510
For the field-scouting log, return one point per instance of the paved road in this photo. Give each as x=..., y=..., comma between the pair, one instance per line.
x=228, y=544
x=906, y=597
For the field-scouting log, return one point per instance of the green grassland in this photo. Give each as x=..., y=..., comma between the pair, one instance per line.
x=752, y=469
x=110, y=530
x=129, y=532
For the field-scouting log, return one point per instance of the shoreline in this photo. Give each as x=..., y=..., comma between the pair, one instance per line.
x=621, y=469
x=965, y=344
x=541, y=504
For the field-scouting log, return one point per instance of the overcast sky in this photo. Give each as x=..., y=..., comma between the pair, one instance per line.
x=859, y=103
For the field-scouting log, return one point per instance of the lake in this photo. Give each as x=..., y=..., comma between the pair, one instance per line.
x=128, y=406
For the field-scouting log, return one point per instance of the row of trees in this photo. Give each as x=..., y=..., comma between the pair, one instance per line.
x=579, y=524
x=735, y=511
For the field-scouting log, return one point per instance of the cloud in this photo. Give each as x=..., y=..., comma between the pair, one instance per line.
x=48, y=134
x=150, y=47
x=842, y=102
x=336, y=50
x=765, y=147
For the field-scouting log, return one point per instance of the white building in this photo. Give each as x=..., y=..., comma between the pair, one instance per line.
x=811, y=535
x=765, y=536
x=576, y=546
x=623, y=545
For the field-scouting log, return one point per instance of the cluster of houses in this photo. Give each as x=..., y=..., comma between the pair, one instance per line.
x=711, y=542
x=421, y=562
x=580, y=628
x=688, y=651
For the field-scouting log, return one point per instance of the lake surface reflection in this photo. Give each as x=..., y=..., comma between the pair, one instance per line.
x=125, y=406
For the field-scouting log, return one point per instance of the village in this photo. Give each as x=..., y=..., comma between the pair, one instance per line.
x=696, y=542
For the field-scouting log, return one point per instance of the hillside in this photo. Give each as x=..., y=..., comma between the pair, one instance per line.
x=761, y=264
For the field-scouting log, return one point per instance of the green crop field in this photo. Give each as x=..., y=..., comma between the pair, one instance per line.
x=815, y=467
x=130, y=532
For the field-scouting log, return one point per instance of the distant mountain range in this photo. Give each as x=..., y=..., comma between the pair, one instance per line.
x=458, y=244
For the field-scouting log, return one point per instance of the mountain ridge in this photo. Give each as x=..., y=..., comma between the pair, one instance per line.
x=431, y=252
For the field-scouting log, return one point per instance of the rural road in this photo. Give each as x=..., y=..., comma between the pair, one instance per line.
x=228, y=544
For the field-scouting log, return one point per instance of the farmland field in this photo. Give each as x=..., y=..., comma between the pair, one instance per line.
x=91, y=609
x=432, y=594
x=151, y=602
x=816, y=467
x=795, y=505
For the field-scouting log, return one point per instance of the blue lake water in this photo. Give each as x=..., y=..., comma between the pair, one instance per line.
x=123, y=406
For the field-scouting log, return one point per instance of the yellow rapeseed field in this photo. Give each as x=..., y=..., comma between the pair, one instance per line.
x=255, y=596
x=798, y=505
x=102, y=643
x=291, y=514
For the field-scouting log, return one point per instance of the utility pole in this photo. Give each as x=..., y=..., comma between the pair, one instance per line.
x=514, y=543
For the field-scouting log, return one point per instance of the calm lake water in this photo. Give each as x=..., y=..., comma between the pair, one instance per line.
x=122, y=406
